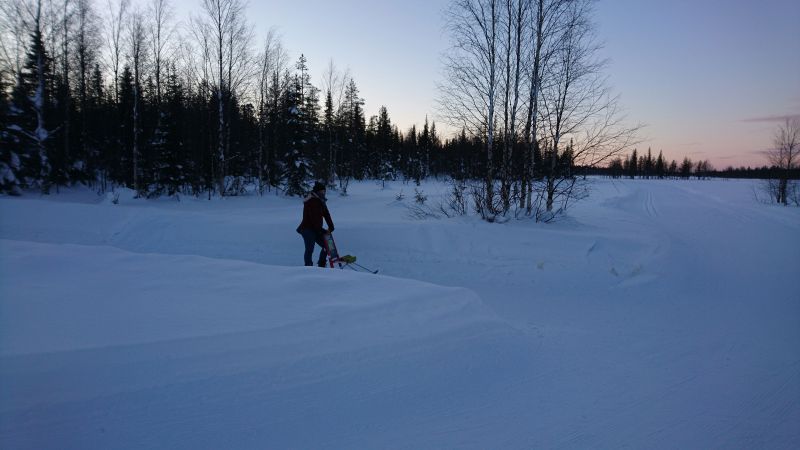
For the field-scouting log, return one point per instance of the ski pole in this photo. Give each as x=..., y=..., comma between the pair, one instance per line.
x=368, y=270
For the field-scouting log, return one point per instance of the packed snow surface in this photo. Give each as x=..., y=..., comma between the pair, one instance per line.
x=657, y=314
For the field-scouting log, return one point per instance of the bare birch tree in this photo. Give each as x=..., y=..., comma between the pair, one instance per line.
x=225, y=37
x=272, y=58
x=577, y=105
x=334, y=84
x=86, y=41
x=545, y=22
x=13, y=37
x=514, y=22
x=161, y=29
x=67, y=12
x=468, y=96
x=117, y=15
x=335, y=81
x=785, y=156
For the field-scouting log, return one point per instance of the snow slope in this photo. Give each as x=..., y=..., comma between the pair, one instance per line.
x=659, y=314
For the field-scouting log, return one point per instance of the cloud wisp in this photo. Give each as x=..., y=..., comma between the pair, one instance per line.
x=778, y=118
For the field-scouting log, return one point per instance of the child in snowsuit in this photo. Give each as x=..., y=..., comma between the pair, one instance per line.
x=314, y=210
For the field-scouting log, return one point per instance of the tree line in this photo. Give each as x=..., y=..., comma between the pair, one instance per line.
x=124, y=96
x=646, y=167
x=127, y=98
x=784, y=165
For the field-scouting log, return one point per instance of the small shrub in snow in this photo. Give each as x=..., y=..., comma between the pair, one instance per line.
x=486, y=210
x=793, y=193
x=344, y=182
x=420, y=197
x=457, y=198
x=769, y=191
x=235, y=186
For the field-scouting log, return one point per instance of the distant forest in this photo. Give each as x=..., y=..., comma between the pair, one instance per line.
x=647, y=166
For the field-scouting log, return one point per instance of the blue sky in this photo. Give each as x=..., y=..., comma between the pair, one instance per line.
x=708, y=77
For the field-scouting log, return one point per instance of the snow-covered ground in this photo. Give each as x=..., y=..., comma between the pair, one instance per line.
x=659, y=314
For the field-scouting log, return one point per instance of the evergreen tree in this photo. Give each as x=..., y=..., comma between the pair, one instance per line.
x=167, y=143
x=311, y=132
x=463, y=150
x=424, y=150
x=297, y=171
x=9, y=146
x=672, y=170
x=329, y=142
x=62, y=144
x=352, y=163
x=648, y=164
x=686, y=167
x=275, y=131
x=633, y=165
x=434, y=165
x=96, y=123
x=383, y=147
x=119, y=154
x=412, y=164
x=660, y=166
x=616, y=168
x=28, y=117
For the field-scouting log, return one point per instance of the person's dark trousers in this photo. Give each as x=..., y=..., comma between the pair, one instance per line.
x=311, y=237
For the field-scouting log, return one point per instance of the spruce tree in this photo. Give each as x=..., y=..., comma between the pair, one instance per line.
x=686, y=167
x=119, y=154
x=352, y=163
x=424, y=150
x=31, y=104
x=297, y=172
x=633, y=165
x=311, y=141
x=672, y=170
x=167, y=142
x=615, y=168
x=648, y=164
x=9, y=148
x=96, y=123
x=63, y=143
x=329, y=142
x=434, y=165
x=412, y=162
x=660, y=168
x=384, y=148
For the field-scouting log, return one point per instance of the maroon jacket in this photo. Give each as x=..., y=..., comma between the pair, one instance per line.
x=314, y=210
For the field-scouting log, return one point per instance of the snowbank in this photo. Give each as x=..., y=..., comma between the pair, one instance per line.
x=103, y=348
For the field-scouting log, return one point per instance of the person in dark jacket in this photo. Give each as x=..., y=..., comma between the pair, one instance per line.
x=314, y=210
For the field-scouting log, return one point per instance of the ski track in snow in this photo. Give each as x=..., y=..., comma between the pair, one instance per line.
x=661, y=314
